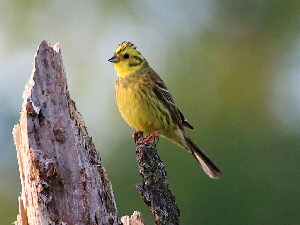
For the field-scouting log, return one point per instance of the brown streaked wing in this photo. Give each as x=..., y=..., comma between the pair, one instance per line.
x=162, y=93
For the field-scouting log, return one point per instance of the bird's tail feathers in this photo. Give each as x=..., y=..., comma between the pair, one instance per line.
x=209, y=167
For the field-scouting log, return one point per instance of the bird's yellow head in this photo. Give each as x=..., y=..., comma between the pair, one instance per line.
x=127, y=59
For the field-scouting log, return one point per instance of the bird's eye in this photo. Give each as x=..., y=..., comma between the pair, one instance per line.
x=126, y=56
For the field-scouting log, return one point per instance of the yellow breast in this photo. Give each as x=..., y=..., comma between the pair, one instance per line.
x=138, y=105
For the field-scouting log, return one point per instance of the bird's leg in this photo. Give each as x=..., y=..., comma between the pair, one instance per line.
x=151, y=137
x=137, y=135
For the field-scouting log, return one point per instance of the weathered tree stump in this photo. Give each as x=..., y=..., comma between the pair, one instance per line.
x=63, y=180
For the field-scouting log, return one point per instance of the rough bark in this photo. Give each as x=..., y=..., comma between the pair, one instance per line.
x=155, y=188
x=63, y=180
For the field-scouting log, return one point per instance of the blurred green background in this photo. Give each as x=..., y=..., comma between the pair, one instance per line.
x=232, y=67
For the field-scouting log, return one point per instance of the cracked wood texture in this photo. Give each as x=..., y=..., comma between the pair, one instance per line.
x=63, y=180
x=154, y=189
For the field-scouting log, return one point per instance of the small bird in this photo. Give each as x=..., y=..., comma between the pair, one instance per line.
x=146, y=104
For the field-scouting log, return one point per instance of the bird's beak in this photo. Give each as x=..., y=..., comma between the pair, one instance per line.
x=114, y=59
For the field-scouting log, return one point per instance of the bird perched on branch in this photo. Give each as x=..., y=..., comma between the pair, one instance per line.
x=146, y=104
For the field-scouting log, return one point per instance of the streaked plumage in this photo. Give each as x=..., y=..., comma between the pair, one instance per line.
x=146, y=104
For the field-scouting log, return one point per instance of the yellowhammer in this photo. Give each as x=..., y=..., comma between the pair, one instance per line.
x=146, y=104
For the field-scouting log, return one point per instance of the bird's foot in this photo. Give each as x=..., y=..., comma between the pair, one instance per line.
x=150, y=138
x=137, y=135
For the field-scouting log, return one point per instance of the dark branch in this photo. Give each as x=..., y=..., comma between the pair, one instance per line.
x=155, y=189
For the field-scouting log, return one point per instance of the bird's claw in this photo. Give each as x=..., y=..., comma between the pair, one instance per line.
x=150, y=138
x=137, y=135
